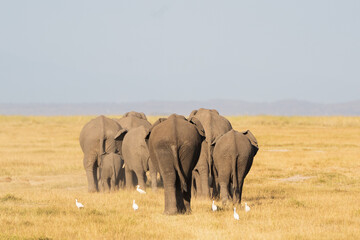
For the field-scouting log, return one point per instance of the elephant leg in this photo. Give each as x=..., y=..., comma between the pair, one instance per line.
x=170, y=193
x=202, y=167
x=224, y=192
x=238, y=192
x=240, y=183
x=204, y=181
x=153, y=176
x=113, y=183
x=215, y=185
x=141, y=179
x=187, y=198
x=121, y=177
x=194, y=182
x=134, y=178
x=101, y=185
x=128, y=178
x=231, y=190
x=106, y=185
x=180, y=203
x=91, y=168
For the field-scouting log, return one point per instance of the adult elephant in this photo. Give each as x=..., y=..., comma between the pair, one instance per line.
x=99, y=136
x=233, y=157
x=136, y=156
x=174, y=146
x=214, y=125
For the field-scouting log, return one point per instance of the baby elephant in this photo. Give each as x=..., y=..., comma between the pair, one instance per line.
x=110, y=166
x=233, y=156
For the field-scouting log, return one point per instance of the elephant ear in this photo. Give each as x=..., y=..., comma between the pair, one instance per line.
x=143, y=116
x=216, y=111
x=192, y=114
x=154, y=125
x=198, y=125
x=252, y=138
x=216, y=139
x=120, y=134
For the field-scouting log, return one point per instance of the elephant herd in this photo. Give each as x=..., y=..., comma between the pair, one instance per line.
x=200, y=156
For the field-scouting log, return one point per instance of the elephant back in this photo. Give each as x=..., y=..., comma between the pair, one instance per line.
x=175, y=129
x=96, y=129
x=131, y=122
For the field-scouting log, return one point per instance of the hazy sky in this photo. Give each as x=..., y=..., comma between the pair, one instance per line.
x=116, y=51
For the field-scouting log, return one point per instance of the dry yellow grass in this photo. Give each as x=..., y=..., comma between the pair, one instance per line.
x=41, y=174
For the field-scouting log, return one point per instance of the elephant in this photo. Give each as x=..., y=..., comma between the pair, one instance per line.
x=214, y=125
x=174, y=146
x=99, y=136
x=136, y=156
x=110, y=165
x=233, y=157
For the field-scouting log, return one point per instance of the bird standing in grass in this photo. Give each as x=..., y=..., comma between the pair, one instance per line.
x=213, y=206
x=247, y=208
x=135, y=206
x=140, y=190
x=236, y=216
x=78, y=204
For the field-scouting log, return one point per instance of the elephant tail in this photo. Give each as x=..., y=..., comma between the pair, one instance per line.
x=209, y=159
x=177, y=168
x=234, y=171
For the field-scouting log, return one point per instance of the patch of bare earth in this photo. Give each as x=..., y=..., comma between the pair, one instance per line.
x=5, y=179
x=296, y=178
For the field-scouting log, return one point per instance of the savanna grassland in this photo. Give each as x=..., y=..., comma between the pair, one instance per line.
x=304, y=184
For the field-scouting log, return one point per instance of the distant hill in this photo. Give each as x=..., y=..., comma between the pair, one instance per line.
x=225, y=107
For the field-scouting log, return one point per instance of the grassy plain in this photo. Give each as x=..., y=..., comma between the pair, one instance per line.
x=304, y=184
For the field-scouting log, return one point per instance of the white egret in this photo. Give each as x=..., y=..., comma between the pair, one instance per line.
x=140, y=190
x=213, y=206
x=78, y=204
x=135, y=206
x=236, y=216
x=247, y=208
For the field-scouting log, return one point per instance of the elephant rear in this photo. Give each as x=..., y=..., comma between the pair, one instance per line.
x=174, y=147
x=233, y=158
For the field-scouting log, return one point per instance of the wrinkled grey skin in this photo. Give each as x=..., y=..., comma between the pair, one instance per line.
x=174, y=146
x=136, y=156
x=110, y=165
x=233, y=156
x=99, y=136
x=214, y=125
